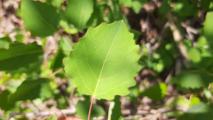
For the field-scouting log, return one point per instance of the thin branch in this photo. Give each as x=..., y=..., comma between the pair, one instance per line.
x=90, y=107
x=178, y=38
x=111, y=106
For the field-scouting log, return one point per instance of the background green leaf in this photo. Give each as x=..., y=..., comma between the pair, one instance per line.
x=156, y=92
x=83, y=106
x=208, y=28
x=41, y=19
x=78, y=12
x=114, y=112
x=19, y=55
x=4, y=100
x=193, y=79
x=31, y=89
x=4, y=43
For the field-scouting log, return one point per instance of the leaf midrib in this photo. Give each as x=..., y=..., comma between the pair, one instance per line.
x=104, y=62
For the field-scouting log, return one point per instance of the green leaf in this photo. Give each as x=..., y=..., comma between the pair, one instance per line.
x=156, y=92
x=58, y=60
x=194, y=100
x=103, y=64
x=208, y=27
x=185, y=8
x=39, y=18
x=66, y=45
x=19, y=55
x=193, y=79
x=56, y=3
x=189, y=80
x=4, y=43
x=127, y=3
x=114, y=112
x=183, y=102
x=136, y=6
x=4, y=96
x=31, y=89
x=115, y=11
x=164, y=8
x=200, y=111
x=83, y=107
x=194, y=55
x=205, y=4
x=78, y=12
x=28, y=90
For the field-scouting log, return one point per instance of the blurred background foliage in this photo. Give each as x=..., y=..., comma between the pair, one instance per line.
x=175, y=39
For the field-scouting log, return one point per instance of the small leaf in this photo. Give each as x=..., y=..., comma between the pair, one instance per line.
x=19, y=55
x=136, y=6
x=205, y=4
x=103, y=64
x=192, y=79
x=164, y=8
x=156, y=92
x=188, y=80
x=58, y=60
x=114, y=112
x=30, y=89
x=194, y=55
x=83, y=107
x=78, y=12
x=39, y=18
x=181, y=102
x=208, y=26
x=184, y=8
x=56, y=3
x=4, y=43
x=65, y=47
x=194, y=100
x=200, y=111
x=4, y=104
x=127, y=3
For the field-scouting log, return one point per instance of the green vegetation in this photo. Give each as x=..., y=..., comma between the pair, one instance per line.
x=106, y=59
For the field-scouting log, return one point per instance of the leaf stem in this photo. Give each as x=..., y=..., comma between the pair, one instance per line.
x=90, y=107
x=111, y=106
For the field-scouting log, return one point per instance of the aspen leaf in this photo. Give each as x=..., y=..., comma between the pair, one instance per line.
x=103, y=64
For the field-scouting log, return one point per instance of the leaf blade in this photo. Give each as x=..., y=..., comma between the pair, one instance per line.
x=19, y=55
x=97, y=59
x=38, y=16
x=85, y=10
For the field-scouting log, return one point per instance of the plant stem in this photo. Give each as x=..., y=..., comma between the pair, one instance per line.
x=90, y=107
x=111, y=106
